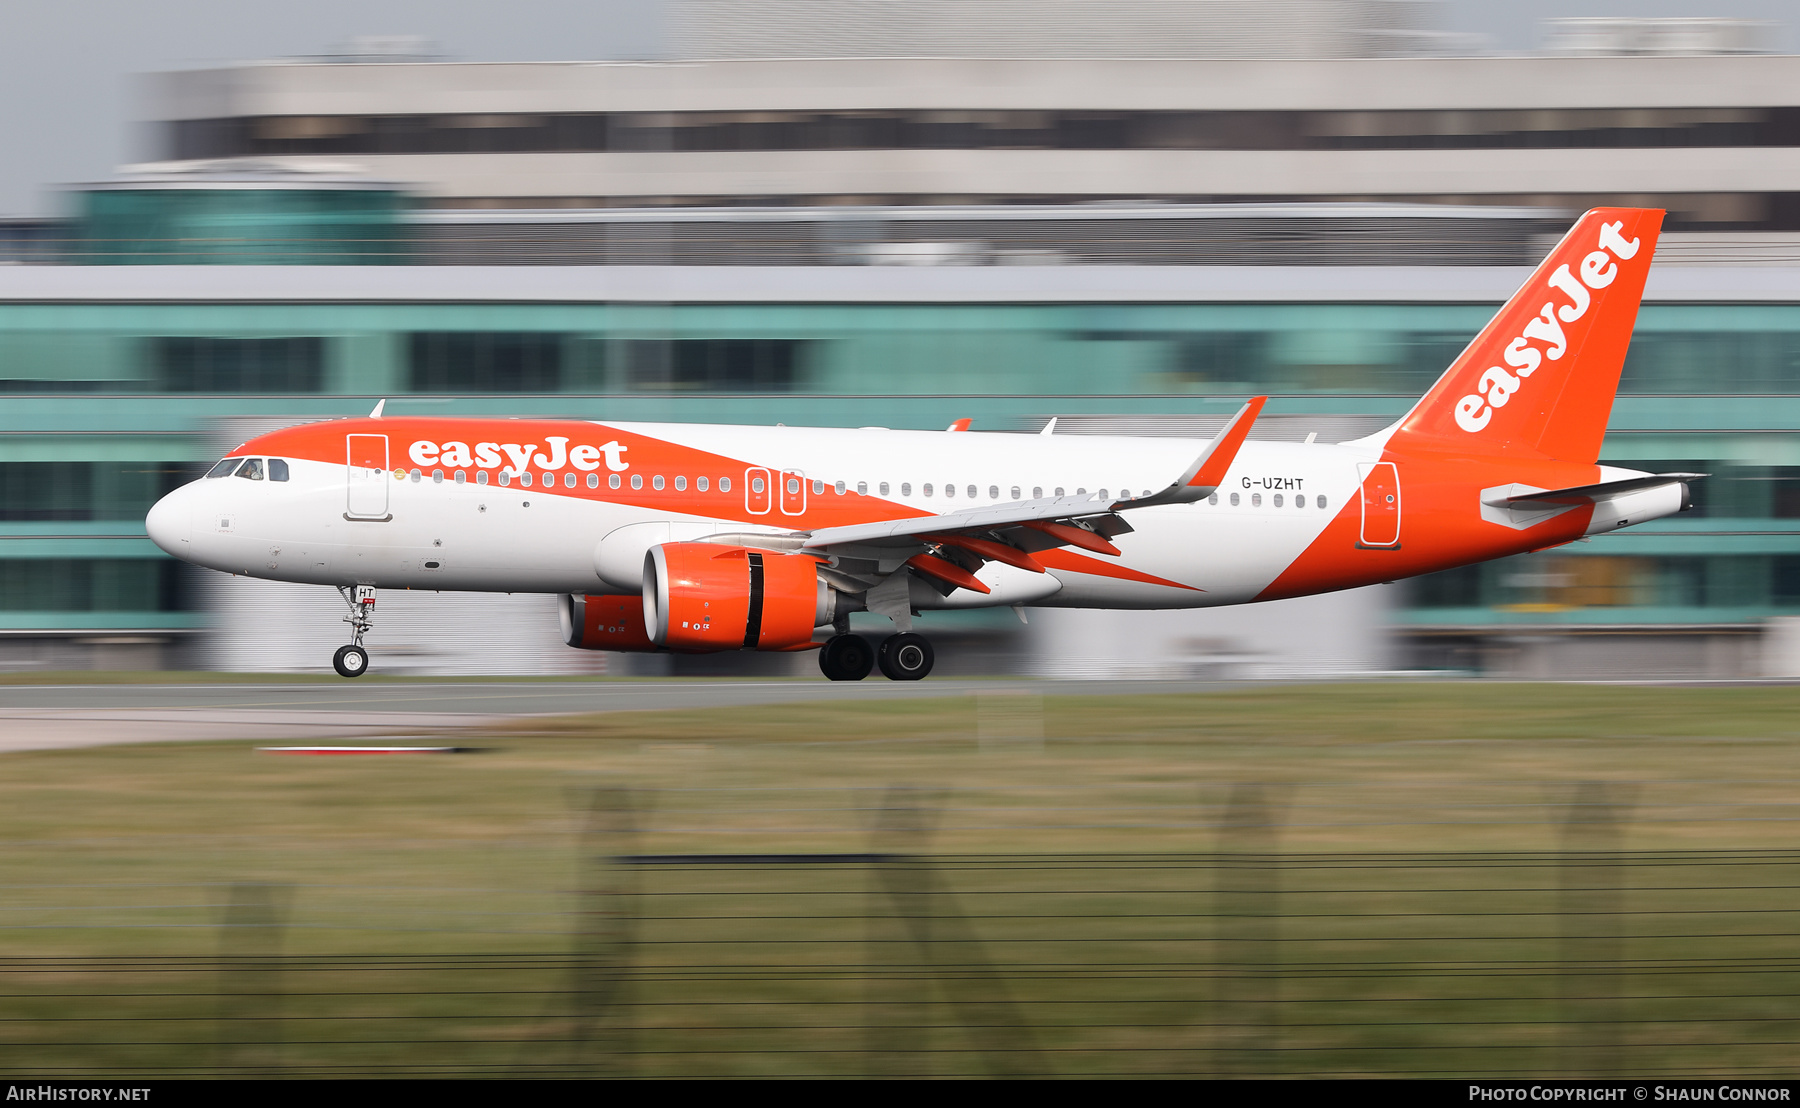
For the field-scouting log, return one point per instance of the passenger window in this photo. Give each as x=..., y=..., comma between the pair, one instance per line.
x=927, y=488
x=224, y=468
x=818, y=487
x=637, y=480
x=525, y=479
x=884, y=488
x=1321, y=501
x=972, y=492
x=701, y=484
x=1037, y=492
x=862, y=488
x=593, y=481
x=906, y=488
x=278, y=469
x=612, y=481
x=1213, y=499
x=1300, y=501
x=840, y=488
x=461, y=477
x=724, y=484
x=1059, y=490
x=657, y=482
x=481, y=477
x=252, y=471
x=681, y=484
x=1234, y=500
x=1080, y=492
x=756, y=484
x=793, y=486
x=1278, y=500
x=949, y=490
x=1015, y=493
x=1256, y=500
x=1103, y=494
x=994, y=492
x=437, y=476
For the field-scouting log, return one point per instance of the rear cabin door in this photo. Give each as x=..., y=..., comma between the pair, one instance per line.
x=368, y=476
x=1380, y=504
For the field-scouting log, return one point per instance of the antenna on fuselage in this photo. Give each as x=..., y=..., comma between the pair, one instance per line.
x=1049, y=428
x=379, y=404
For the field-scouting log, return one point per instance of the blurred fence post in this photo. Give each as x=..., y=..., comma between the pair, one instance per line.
x=916, y=935
x=896, y=989
x=249, y=1032
x=1246, y=965
x=606, y=933
x=1591, y=912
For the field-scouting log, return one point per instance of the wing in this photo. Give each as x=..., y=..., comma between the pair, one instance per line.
x=947, y=548
x=1197, y=482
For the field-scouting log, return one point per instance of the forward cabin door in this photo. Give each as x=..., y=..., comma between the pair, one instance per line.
x=368, y=477
x=1380, y=504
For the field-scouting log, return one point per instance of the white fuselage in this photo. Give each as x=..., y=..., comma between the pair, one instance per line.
x=445, y=535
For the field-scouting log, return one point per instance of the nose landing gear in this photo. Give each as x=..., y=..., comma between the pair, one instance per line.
x=353, y=660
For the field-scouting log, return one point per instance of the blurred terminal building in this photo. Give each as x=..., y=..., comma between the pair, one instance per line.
x=1128, y=214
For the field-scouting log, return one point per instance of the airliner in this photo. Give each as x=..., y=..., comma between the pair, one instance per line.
x=694, y=538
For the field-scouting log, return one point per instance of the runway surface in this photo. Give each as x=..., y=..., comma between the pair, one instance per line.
x=43, y=717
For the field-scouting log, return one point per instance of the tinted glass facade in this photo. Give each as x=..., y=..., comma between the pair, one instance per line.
x=110, y=402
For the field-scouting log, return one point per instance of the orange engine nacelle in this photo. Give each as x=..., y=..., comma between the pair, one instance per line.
x=604, y=622
x=700, y=597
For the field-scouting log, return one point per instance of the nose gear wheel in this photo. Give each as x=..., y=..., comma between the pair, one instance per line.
x=350, y=661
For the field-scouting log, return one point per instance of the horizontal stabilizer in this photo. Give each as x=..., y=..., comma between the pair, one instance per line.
x=1591, y=494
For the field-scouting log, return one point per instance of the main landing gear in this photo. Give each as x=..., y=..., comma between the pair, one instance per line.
x=353, y=660
x=846, y=658
x=904, y=657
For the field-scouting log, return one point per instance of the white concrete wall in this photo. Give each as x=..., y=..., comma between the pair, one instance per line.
x=974, y=84
x=1335, y=635
x=272, y=627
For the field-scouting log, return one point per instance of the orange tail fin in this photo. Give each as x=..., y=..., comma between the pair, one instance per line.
x=1541, y=376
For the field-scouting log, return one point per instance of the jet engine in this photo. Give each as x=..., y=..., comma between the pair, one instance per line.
x=604, y=622
x=701, y=597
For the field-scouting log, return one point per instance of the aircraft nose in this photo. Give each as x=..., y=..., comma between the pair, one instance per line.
x=170, y=523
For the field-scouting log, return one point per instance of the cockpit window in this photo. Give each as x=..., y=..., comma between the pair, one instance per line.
x=253, y=469
x=224, y=468
x=278, y=469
